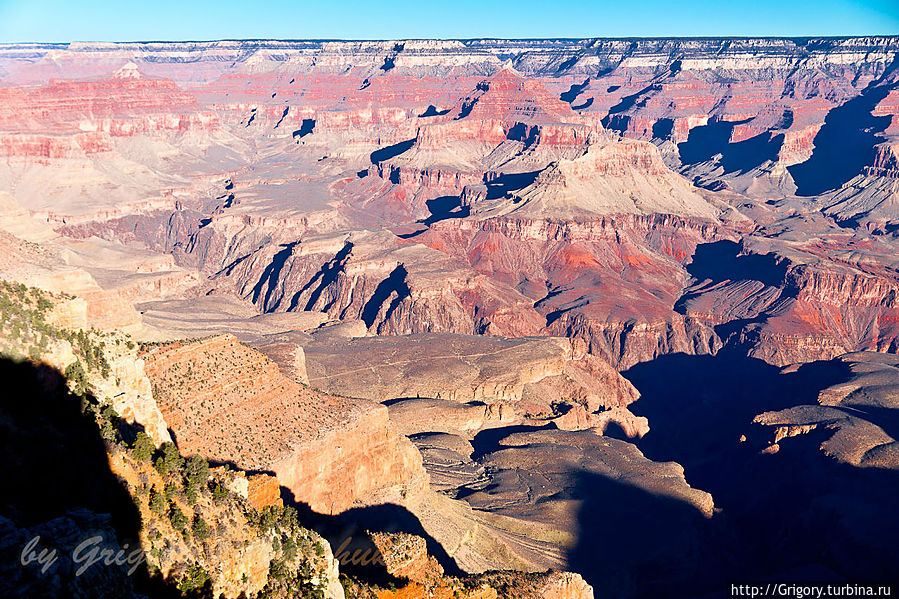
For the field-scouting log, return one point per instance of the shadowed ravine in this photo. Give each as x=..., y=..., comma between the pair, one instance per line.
x=844, y=145
x=772, y=516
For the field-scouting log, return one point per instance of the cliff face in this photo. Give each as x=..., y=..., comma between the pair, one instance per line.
x=48, y=328
x=241, y=558
x=463, y=369
x=368, y=463
x=83, y=117
x=845, y=432
x=406, y=557
x=79, y=408
x=229, y=402
x=487, y=275
x=628, y=254
x=484, y=233
x=130, y=392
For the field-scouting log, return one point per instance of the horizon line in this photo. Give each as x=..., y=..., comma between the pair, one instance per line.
x=463, y=39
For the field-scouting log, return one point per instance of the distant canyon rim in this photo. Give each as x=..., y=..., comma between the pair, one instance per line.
x=622, y=308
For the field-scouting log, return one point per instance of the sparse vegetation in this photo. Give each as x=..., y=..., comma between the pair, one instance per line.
x=157, y=502
x=182, y=503
x=196, y=472
x=219, y=492
x=143, y=447
x=199, y=528
x=27, y=333
x=169, y=460
x=177, y=517
x=194, y=578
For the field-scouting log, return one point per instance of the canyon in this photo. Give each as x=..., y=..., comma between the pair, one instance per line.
x=578, y=306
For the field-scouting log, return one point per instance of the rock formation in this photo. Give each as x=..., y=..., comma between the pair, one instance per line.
x=855, y=414
x=230, y=403
x=561, y=133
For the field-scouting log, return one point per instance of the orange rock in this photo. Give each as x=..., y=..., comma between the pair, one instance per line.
x=263, y=490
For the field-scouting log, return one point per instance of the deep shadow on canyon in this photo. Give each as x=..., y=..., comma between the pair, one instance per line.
x=707, y=141
x=794, y=515
x=348, y=533
x=844, y=145
x=57, y=483
x=722, y=261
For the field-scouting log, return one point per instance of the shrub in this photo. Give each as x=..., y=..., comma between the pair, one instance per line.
x=199, y=528
x=143, y=447
x=177, y=518
x=278, y=570
x=43, y=304
x=190, y=492
x=269, y=518
x=110, y=415
x=108, y=432
x=157, y=502
x=196, y=471
x=194, y=579
x=170, y=461
x=171, y=489
x=219, y=493
x=290, y=548
x=75, y=373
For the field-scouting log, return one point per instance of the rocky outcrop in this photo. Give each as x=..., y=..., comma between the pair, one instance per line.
x=372, y=464
x=628, y=253
x=331, y=453
x=123, y=514
x=608, y=178
x=853, y=415
x=565, y=585
x=848, y=434
x=539, y=214
x=496, y=238
x=39, y=326
x=466, y=368
x=406, y=558
x=238, y=557
x=227, y=401
x=127, y=388
x=84, y=117
x=533, y=504
x=102, y=308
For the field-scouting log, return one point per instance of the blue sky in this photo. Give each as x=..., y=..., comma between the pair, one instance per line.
x=76, y=20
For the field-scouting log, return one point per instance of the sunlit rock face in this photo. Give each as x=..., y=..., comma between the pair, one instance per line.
x=331, y=453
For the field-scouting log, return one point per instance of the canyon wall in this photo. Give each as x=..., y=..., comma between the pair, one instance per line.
x=487, y=187
x=229, y=402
